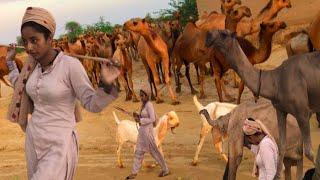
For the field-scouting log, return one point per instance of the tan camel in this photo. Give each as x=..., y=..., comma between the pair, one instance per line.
x=263, y=110
x=216, y=20
x=125, y=77
x=270, y=11
x=159, y=48
x=314, y=32
x=292, y=87
x=190, y=48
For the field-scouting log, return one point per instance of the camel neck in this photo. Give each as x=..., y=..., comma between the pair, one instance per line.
x=264, y=51
x=249, y=74
x=268, y=14
x=231, y=24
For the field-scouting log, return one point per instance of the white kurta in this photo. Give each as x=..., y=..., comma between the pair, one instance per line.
x=51, y=140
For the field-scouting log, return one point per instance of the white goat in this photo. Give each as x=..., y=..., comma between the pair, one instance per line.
x=215, y=109
x=127, y=131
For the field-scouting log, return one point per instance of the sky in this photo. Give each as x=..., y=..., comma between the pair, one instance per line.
x=81, y=11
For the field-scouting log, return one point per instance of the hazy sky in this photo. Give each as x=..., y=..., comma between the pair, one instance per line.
x=82, y=11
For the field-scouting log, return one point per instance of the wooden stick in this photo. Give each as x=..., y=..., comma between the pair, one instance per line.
x=111, y=62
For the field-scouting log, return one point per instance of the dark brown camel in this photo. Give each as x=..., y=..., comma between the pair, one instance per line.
x=190, y=48
x=293, y=87
x=263, y=110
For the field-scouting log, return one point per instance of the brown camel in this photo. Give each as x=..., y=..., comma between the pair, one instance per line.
x=293, y=87
x=125, y=77
x=270, y=11
x=260, y=55
x=159, y=48
x=190, y=48
x=231, y=124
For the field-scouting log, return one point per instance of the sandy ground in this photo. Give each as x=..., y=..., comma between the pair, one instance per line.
x=98, y=145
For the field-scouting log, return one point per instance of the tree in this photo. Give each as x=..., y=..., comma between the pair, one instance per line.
x=101, y=25
x=187, y=10
x=74, y=29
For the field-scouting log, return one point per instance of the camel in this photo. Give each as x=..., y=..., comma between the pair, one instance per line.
x=160, y=50
x=270, y=11
x=190, y=48
x=293, y=87
x=125, y=77
x=215, y=20
x=260, y=55
x=263, y=110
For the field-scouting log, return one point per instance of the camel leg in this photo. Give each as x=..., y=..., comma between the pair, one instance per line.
x=120, y=163
x=303, y=122
x=202, y=76
x=165, y=64
x=160, y=74
x=193, y=91
x=177, y=76
x=130, y=83
x=124, y=84
x=156, y=81
x=281, y=116
x=197, y=71
x=203, y=135
x=235, y=150
x=217, y=81
x=287, y=171
x=299, y=173
x=318, y=118
x=241, y=87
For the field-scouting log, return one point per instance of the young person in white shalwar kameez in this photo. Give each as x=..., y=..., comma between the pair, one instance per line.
x=53, y=82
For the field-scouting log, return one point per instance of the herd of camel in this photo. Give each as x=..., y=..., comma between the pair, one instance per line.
x=220, y=40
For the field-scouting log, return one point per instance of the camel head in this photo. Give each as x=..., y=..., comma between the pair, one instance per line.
x=227, y=5
x=173, y=120
x=121, y=42
x=272, y=27
x=282, y=4
x=220, y=40
x=240, y=13
x=136, y=25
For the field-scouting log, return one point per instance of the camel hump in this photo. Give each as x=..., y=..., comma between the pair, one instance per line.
x=314, y=32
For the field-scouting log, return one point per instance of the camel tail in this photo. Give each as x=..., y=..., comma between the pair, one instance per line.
x=116, y=117
x=197, y=103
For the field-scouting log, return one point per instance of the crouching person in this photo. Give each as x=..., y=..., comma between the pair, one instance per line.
x=146, y=139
